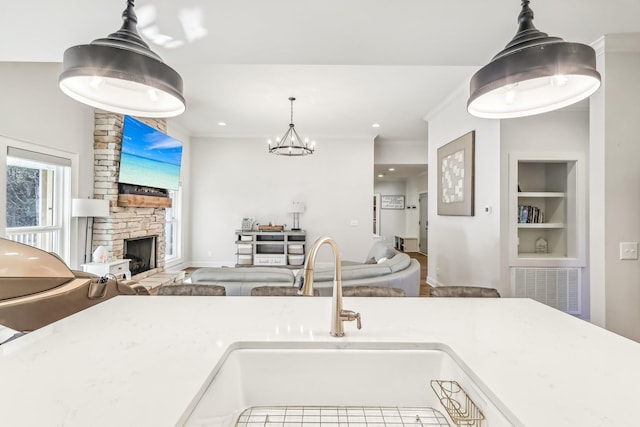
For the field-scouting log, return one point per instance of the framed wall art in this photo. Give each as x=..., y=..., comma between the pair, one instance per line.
x=392, y=202
x=456, y=176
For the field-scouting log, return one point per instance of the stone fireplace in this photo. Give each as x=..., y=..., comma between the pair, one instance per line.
x=129, y=218
x=141, y=252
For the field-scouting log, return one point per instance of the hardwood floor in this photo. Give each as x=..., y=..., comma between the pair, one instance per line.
x=422, y=259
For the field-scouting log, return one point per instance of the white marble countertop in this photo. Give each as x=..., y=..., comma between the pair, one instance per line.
x=139, y=361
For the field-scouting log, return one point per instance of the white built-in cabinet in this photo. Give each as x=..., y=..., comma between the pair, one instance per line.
x=550, y=189
x=265, y=248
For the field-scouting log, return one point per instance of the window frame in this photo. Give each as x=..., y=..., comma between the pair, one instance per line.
x=68, y=185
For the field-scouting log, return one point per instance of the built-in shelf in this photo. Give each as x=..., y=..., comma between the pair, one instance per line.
x=546, y=188
x=541, y=225
x=523, y=194
x=139, y=201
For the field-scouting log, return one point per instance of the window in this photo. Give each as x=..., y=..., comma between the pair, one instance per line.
x=37, y=190
x=173, y=247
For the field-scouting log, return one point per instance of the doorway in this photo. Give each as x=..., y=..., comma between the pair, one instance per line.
x=423, y=223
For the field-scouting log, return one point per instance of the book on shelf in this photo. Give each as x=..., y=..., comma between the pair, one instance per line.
x=530, y=215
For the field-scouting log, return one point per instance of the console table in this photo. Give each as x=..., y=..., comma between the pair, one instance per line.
x=270, y=248
x=406, y=243
x=118, y=268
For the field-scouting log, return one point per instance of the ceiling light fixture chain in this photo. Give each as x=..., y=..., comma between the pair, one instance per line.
x=290, y=144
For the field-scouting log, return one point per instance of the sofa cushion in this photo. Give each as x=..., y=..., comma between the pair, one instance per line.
x=242, y=274
x=380, y=250
x=398, y=262
x=352, y=272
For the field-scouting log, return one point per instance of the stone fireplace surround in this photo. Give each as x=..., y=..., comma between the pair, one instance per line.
x=124, y=222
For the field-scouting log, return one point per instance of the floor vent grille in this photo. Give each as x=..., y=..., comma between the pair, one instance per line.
x=556, y=287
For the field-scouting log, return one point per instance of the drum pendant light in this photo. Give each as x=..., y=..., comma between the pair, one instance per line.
x=534, y=74
x=119, y=73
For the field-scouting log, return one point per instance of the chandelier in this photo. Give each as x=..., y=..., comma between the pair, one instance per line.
x=290, y=144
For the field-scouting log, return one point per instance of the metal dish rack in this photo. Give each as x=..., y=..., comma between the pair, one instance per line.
x=457, y=403
x=358, y=416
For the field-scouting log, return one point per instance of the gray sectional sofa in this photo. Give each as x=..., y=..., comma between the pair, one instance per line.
x=240, y=280
x=383, y=266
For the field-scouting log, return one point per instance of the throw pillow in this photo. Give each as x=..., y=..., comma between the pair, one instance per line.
x=381, y=260
x=371, y=260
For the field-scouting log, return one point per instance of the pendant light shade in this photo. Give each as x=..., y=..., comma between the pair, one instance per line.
x=119, y=73
x=534, y=74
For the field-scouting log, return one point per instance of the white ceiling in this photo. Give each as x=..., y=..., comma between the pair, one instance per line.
x=349, y=63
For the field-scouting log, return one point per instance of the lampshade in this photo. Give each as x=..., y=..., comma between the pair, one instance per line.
x=296, y=207
x=534, y=74
x=119, y=73
x=89, y=208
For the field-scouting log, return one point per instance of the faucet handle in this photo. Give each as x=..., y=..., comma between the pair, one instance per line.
x=351, y=316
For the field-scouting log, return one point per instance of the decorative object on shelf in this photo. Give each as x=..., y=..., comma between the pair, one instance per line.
x=290, y=144
x=120, y=73
x=456, y=176
x=100, y=254
x=89, y=209
x=534, y=74
x=247, y=224
x=541, y=245
x=296, y=208
x=392, y=202
x=270, y=227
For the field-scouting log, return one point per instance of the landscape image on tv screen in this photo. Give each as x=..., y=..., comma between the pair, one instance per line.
x=149, y=157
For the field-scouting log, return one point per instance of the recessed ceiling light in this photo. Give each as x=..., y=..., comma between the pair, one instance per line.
x=381, y=176
x=375, y=125
x=392, y=169
x=222, y=124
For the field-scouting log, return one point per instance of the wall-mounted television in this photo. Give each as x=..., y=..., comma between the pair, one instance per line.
x=149, y=157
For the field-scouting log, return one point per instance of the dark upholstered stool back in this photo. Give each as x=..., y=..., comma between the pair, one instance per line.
x=195, y=290
x=464, y=291
x=372, y=291
x=277, y=291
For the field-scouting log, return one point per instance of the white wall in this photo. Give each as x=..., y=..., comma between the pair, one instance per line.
x=415, y=185
x=236, y=178
x=466, y=250
x=615, y=201
x=401, y=152
x=392, y=221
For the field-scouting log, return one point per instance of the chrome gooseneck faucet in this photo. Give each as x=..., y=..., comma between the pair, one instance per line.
x=338, y=315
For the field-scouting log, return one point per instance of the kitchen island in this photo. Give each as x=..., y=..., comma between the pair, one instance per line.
x=141, y=361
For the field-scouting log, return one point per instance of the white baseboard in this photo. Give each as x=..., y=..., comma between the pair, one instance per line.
x=197, y=264
x=433, y=282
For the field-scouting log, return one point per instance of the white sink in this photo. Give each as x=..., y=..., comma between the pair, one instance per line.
x=282, y=374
